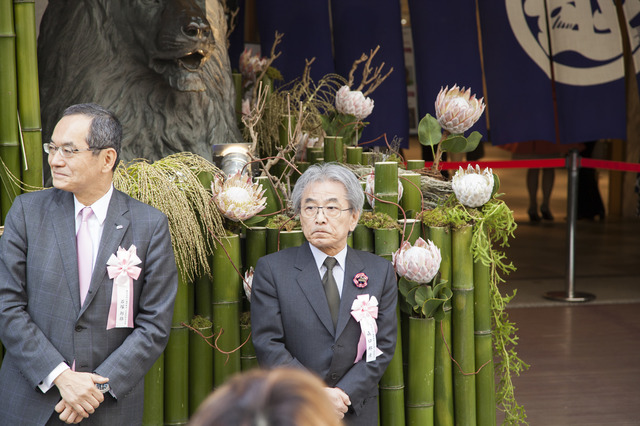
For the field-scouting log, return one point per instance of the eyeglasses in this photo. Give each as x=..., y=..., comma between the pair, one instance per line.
x=65, y=151
x=329, y=211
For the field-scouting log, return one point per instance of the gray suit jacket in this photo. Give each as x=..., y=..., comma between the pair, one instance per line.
x=42, y=324
x=291, y=323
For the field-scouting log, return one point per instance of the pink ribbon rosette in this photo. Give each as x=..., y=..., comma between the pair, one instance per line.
x=365, y=311
x=123, y=270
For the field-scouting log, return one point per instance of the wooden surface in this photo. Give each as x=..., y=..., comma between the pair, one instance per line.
x=585, y=364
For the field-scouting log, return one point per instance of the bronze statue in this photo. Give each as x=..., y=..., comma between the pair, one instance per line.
x=161, y=65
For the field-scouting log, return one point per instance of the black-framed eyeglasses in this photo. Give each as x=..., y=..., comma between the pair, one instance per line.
x=329, y=211
x=65, y=151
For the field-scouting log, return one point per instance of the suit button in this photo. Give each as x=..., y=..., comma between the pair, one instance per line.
x=334, y=376
x=79, y=328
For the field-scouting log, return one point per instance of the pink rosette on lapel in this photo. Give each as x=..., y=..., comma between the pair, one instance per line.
x=123, y=270
x=365, y=311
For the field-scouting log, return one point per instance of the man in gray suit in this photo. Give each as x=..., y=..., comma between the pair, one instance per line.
x=303, y=298
x=80, y=354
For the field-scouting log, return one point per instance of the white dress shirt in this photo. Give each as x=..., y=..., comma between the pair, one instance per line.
x=338, y=270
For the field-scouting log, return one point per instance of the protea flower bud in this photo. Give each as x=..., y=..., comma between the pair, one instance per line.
x=353, y=102
x=370, y=188
x=247, y=282
x=473, y=187
x=457, y=110
x=238, y=198
x=419, y=263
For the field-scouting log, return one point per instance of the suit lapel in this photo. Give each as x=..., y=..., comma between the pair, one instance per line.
x=349, y=290
x=310, y=282
x=64, y=229
x=115, y=227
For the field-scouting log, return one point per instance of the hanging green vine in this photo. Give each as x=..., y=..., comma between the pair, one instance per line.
x=493, y=226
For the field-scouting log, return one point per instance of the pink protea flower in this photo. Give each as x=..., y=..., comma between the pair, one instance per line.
x=473, y=187
x=238, y=198
x=419, y=263
x=247, y=282
x=251, y=65
x=457, y=110
x=370, y=189
x=353, y=102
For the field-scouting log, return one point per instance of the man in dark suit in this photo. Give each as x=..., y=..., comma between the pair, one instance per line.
x=78, y=348
x=302, y=300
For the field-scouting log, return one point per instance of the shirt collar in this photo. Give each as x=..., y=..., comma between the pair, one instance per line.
x=319, y=256
x=99, y=208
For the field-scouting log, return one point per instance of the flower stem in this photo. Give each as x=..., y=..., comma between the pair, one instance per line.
x=438, y=156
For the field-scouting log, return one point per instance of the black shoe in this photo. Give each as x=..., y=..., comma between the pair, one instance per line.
x=533, y=216
x=546, y=213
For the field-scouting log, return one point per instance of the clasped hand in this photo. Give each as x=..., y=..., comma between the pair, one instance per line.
x=80, y=397
x=339, y=399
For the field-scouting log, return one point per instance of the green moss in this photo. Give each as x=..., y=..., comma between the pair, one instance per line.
x=378, y=221
x=199, y=322
x=283, y=222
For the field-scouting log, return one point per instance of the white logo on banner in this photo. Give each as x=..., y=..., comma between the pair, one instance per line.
x=585, y=37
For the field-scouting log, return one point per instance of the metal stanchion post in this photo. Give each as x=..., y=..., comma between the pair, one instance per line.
x=570, y=295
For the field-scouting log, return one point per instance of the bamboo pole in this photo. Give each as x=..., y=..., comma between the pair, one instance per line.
x=333, y=149
x=28, y=91
x=420, y=377
x=291, y=238
x=363, y=238
x=441, y=237
x=176, y=395
x=272, y=240
x=153, y=414
x=386, y=188
x=415, y=164
x=412, y=229
x=354, y=155
x=392, y=382
x=315, y=155
x=274, y=204
x=200, y=363
x=248, y=358
x=411, y=201
x=464, y=387
x=9, y=146
x=256, y=245
x=485, y=381
x=227, y=286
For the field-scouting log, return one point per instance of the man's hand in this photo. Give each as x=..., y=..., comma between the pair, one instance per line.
x=79, y=394
x=67, y=414
x=339, y=399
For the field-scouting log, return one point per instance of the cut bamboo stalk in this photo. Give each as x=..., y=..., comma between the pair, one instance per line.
x=153, y=414
x=272, y=240
x=420, y=377
x=314, y=154
x=464, y=386
x=9, y=146
x=274, y=204
x=485, y=380
x=248, y=358
x=386, y=188
x=256, y=245
x=333, y=149
x=386, y=242
x=176, y=368
x=415, y=164
x=227, y=286
x=293, y=238
x=354, y=155
x=411, y=200
x=391, y=387
x=200, y=363
x=412, y=229
x=443, y=412
x=28, y=91
x=203, y=286
x=363, y=238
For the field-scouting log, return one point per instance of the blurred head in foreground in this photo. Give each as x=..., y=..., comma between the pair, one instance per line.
x=279, y=397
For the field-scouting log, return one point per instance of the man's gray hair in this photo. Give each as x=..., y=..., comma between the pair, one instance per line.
x=334, y=172
x=105, y=130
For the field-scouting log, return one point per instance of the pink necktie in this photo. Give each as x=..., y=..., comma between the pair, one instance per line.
x=85, y=254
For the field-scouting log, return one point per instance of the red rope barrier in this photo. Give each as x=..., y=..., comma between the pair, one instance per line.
x=539, y=164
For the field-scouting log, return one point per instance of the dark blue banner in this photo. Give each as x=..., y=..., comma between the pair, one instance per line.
x=445, y=40
x=554, y=70
x=358, y=27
